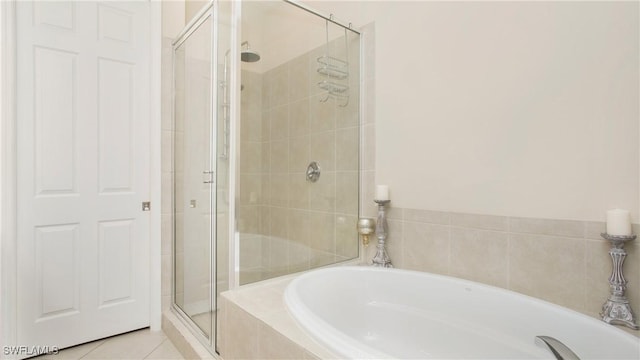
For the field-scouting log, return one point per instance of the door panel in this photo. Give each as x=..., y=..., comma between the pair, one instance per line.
x=115, y=119
x=115, y=259
x=83, y=170
x=57, y=270
x=55, y=83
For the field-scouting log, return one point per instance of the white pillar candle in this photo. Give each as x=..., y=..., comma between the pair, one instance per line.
x=382, y=192
x=618, y=222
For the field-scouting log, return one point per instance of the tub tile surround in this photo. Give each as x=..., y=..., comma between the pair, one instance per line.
x=565, y=262
x=255, y=324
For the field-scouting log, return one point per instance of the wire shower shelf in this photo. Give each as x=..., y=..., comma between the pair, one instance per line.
x=336, y=72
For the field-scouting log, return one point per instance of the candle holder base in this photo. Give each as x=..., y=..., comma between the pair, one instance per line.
x=617, y=310
x=381, y=259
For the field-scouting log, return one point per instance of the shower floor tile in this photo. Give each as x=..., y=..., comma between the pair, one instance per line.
x=135, y=345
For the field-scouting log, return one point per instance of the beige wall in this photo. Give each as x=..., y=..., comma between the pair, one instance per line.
x=506, y=108
x=192, y=8
x=172, y=18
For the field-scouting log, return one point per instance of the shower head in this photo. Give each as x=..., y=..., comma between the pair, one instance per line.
x=248, y=55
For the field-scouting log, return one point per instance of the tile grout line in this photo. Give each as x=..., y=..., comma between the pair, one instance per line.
x=94, y=349
x=155, y=348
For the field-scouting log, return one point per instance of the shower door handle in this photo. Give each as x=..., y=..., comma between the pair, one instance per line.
x=208, y=176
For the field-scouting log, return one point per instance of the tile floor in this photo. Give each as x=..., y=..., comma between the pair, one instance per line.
x=136, y=345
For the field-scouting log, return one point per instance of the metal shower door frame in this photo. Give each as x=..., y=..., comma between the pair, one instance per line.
x=206, y=13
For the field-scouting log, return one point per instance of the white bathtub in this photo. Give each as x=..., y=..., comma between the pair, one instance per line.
x=366, y=312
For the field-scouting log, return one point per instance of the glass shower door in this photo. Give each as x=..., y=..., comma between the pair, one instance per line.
x=299, y=107
x=194, y=178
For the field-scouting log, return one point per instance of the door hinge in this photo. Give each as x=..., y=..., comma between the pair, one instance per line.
x=146, y=206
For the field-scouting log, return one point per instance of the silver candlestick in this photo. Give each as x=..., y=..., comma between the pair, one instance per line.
x=381, y=259
x=617, y=310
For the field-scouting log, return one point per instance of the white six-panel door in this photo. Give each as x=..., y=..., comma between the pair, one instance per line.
x=83, y=170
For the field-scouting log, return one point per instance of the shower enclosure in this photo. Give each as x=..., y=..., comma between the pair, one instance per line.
x=265, y=150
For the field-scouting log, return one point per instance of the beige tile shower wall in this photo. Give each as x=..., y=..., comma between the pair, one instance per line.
x=305, y=127
x=286, y=124
x=251, y=175
x=251, y=168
